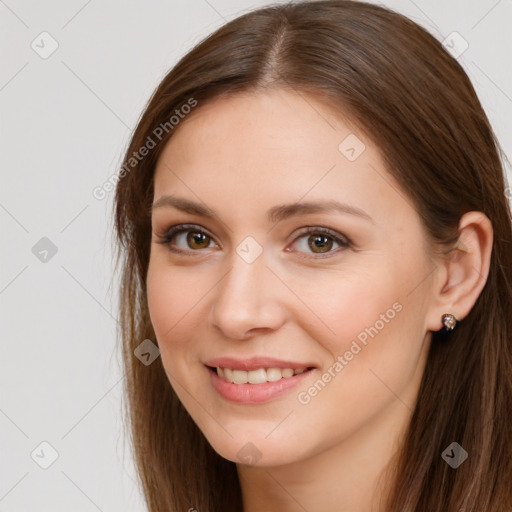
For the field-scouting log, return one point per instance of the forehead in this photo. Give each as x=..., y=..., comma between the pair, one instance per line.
x=271, y=147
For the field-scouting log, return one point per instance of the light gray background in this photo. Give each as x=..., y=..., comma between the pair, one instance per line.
x=65, y=122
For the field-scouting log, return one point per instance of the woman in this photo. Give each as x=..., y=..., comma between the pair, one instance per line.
x=313, y=229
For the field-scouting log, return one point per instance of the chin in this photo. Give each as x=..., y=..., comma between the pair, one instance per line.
x=255, y=451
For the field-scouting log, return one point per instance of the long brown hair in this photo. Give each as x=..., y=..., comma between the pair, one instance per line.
x=405, y=92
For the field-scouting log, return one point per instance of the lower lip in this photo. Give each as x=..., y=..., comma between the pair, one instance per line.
x=255, y=393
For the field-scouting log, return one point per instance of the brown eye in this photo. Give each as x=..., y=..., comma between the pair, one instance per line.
x=197, y=240
x=186, y=238
x=320, y=243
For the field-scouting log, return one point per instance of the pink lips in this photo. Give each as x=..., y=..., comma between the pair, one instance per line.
x=255, y=393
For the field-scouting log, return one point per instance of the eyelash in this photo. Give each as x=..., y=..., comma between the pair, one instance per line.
x=166, y=239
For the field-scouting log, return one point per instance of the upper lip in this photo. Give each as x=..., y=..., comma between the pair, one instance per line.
x=254, y=363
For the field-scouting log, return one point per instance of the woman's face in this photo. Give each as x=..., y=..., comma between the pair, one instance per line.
x=247, y=287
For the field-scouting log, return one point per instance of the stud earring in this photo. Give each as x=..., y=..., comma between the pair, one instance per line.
x=449, y=321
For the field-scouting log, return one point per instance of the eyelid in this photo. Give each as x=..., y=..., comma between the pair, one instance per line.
x=177, y=228
x=342, y=239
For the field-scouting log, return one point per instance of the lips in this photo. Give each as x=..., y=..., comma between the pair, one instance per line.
x=247, y=393
x=249, y=380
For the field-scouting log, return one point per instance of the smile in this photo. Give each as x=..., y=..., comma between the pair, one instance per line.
x=256, y=385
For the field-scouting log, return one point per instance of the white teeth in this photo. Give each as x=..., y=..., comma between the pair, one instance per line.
x=239, y=376
x=274, y=374
x=258, y=376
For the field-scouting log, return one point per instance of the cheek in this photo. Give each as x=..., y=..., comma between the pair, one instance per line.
x=373, y=357
x=162, y=303
x=174, y=295
x=341, y=306
x=178, y=302
x=170, y=305
x=366, y=321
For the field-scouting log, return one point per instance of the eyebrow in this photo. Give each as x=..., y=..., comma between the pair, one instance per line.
x=274, y=214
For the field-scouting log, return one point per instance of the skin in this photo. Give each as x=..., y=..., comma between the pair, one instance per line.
x=241, y=156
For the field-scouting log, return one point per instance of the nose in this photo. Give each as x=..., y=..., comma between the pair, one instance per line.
x=247, y=300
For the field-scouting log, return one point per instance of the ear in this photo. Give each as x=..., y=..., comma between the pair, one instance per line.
x=462, y=273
